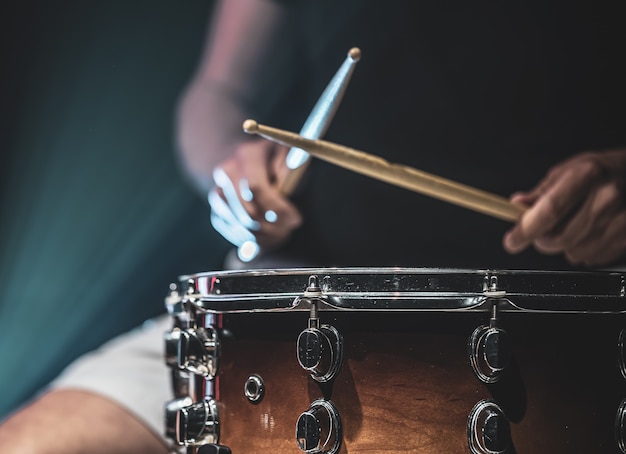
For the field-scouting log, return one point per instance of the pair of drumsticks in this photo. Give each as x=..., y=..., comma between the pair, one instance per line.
x=307, y=143
x=368, y=164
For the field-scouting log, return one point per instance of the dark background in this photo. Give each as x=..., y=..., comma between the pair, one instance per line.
x=96, y=218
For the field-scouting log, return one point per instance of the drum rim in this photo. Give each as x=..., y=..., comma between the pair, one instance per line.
x=349, y=288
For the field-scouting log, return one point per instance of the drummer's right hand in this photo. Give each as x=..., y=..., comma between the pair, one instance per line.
x=247, y=206
x=578, y=209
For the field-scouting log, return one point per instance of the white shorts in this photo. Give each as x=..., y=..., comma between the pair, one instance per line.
x=129, y=369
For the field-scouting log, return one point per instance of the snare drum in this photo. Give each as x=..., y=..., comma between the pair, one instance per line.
x=397, y=360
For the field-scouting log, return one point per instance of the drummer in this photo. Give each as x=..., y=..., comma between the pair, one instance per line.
x=509, y=99
x=492, y=113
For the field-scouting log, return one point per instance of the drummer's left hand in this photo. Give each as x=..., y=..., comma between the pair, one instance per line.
x=578, y=209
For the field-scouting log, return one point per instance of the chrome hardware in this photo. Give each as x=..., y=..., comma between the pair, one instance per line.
x=177, y=307
x=490, y=287
x=326, y=284
x=182, y=383
x=620, y=427
x=621, y=358
x=215, y=286
x=319, y=347
x=171, y=339
x=213, y=449
x=320, y=352
x=313, y=288
x=174, y=301
x=488, y=429
x=489, y=350
x=190, y=288
x=198, y=423
x=192, y=350
x=318, y=430
x=312, y=294
x=198, y=351
x=410, y=289
x=254, y=388
x=171, y=411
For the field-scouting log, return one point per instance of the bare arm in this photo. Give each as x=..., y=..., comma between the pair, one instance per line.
x=248, y=40
x=242, y=34
x=74, y=422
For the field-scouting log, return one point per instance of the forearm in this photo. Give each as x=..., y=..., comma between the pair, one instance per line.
x=208, y=124
x=75, y=422
x=245, y=45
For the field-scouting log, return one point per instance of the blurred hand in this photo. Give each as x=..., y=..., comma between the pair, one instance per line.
x=247, y=204
x=578, y=209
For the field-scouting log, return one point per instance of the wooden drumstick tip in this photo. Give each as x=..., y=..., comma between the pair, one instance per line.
x=355, y=54
x=250, y=126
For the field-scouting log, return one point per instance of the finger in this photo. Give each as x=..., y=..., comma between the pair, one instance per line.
x=523, y=198
x=248, y=251
x=232, y=199
x=553, y=207
x=515, y=241
x=605, y=249
x=278, y=216
x=271, y=216
x=244, y=190
x=226, y=223
x=251, y=165
x=550, y=201
x=255, y=162
x=587, y=223
x=279, y=165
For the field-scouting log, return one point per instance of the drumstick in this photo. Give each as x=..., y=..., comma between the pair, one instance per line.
x=396, y=174
x=318, y=120
x=314, y=127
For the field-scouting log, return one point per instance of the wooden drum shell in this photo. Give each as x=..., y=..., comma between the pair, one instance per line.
x=406, y=384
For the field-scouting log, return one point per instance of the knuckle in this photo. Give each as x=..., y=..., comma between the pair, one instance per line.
x=545, y=216
x=576, y=256
x=613, y=194
x=589, y=168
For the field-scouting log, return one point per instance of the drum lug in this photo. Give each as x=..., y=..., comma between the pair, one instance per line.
x=620, y=427
x=172, y=339
x=620, y=417
x=198, y=351
x=214, y=449
x=171, y=411
x=489, y=350
x=320, y=352
x=488, y=429
x=320, y=348
x=621, y=358
x=318, y=430
x=198, y=423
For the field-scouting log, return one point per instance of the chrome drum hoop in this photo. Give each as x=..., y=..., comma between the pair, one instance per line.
x=409, y=289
